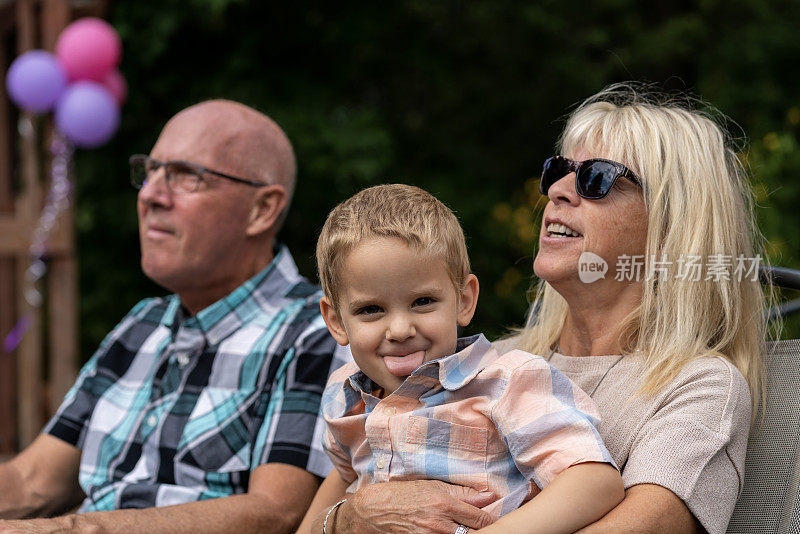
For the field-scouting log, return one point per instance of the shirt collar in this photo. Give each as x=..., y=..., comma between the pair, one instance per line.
x=361, y=383
x=473, y=354
x=267, y=291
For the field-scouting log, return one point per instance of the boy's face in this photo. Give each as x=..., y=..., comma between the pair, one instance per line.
x=397, y=309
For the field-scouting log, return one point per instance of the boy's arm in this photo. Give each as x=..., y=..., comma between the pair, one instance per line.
x=329, y=493
x=578, y=496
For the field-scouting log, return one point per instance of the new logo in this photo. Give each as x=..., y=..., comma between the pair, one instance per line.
x=591, y=267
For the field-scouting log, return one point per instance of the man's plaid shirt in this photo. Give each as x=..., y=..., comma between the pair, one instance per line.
x=173, y=409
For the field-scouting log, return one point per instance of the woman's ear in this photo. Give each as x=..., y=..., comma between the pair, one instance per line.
x=269, y=203
x=333, y=321
x=469, y=300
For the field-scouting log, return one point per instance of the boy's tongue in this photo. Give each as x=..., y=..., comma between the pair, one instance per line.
x=404, y=365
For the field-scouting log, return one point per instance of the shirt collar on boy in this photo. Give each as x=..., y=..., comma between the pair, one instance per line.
x=472, y=355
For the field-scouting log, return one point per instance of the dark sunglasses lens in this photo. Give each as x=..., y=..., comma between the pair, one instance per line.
x=596, y=178
x=555, y=168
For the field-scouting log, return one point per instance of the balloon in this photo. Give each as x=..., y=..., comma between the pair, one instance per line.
x=87, y=114
x=35, y=80
x=88, y=49
x=115, y=82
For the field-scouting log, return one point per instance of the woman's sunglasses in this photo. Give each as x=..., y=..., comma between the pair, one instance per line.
x=594, y=177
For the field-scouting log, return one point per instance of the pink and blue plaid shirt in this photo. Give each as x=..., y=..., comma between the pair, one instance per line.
x=505, y=424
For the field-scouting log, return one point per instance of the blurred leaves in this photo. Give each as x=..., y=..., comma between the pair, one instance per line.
x=463, y=98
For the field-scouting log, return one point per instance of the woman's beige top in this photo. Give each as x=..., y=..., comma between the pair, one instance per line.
x=690, y=437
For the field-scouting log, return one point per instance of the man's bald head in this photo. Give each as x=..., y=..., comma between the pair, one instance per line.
x=203, y=244
x=245, y=142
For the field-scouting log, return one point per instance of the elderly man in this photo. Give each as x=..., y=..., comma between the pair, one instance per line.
x=199, y=410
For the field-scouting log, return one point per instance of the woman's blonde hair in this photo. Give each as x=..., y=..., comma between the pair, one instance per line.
x=699, y=203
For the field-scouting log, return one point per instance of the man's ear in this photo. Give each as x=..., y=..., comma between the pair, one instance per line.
x=333, y=321
x=469, y=300
x=269, y=203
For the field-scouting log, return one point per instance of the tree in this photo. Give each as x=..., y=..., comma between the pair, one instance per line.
x=463, y=99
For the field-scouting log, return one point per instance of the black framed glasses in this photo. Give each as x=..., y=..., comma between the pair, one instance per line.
x=594, y=177
x=181, y=176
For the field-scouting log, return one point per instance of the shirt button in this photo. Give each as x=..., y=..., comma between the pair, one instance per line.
x=183, y=359
x=389, y=410
x=381, y=462
x=152, y=420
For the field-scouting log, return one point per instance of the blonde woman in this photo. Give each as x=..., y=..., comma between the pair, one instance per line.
x=649, y=301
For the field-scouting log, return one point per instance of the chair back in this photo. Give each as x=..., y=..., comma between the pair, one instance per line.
x=770, y=499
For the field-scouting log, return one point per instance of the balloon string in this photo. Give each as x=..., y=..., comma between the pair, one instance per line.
x=57, y=201
x=15, y=336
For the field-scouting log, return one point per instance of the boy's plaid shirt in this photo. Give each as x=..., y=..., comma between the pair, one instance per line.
x=173, y=409
x=505, y=424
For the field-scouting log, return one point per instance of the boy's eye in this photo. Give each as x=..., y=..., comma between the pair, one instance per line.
x=424, y=301
x=369, y=310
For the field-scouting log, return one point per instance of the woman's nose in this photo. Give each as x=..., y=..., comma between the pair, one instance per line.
x=563, y=190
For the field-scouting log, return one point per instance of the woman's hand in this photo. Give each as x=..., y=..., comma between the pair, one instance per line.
x=413, y=507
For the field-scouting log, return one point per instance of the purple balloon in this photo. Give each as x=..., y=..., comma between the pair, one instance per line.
x=35, y=81
x=87, y=114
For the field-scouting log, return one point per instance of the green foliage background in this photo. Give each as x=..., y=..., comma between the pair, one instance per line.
x=464, y=99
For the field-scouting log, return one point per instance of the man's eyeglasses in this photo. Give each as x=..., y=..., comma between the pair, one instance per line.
x=594, y=178
x=181, y=176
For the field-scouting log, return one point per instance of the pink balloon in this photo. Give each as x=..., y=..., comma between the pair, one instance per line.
x=88, y=49
x=115, y=82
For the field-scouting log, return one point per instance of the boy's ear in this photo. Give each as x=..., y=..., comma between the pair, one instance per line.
x=333, y=321
x=469, y=300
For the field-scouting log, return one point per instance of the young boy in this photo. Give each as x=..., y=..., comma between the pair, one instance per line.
x=419, y=404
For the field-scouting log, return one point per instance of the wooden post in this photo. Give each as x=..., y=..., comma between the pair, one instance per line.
x=8, y=309
x=62, y=270
x=26, y=399
x=29, y=352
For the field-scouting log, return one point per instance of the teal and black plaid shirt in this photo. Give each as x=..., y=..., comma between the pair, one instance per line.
x=173, y=409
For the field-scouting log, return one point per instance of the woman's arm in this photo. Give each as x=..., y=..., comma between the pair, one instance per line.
x=578, y=496
x=647, y=508
x=329, y=493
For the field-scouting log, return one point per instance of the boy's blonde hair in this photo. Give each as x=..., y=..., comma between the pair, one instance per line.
x=394, y=210
x=699, y=202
